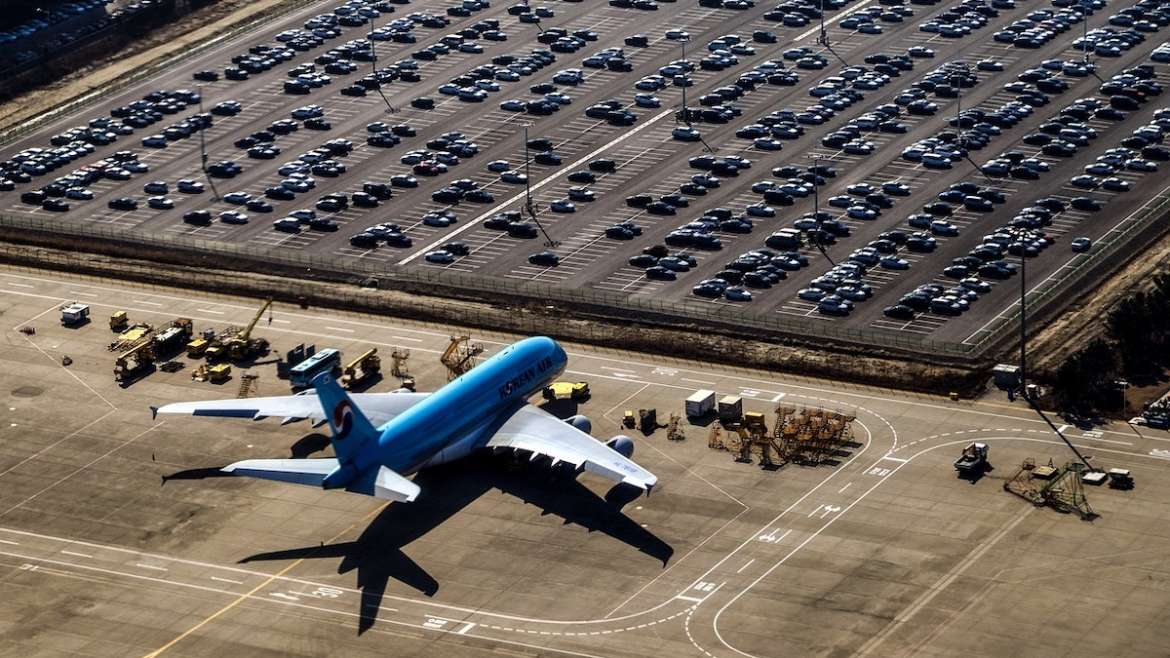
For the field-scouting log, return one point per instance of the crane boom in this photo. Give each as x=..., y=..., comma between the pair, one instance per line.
x=247, y=332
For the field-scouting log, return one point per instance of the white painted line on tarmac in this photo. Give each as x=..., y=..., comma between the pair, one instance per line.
x=466, y=627
x=896, y=459
x=207, y=310
x=227, y=580
x=697, y=381
x=413, y=340
x=842, y=489
x=143, y=301
x=1061, y=429
x=745, y=565
x=20, y=285
x=11, y=543
x=689, y=598
x=778, y=397
x=348, y=331
x=150, y=566
x=86, y=555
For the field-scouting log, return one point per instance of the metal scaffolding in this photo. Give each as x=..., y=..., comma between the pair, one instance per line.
x=812, y=436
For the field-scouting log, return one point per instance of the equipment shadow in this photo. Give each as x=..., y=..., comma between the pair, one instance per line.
x=377, y=555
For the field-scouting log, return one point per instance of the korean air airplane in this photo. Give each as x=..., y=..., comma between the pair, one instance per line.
x=379, y=438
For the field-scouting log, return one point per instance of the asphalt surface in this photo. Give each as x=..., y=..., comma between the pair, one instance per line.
x=649, y=160
x=117, y=539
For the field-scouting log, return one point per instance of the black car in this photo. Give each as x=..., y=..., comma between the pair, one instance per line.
x=582, y=177
x=33, y=197
x=603, y=166
x=279, y=193
x=197, y=217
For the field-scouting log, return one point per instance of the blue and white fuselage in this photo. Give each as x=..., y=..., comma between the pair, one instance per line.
x=458, y=418
x=379, y=438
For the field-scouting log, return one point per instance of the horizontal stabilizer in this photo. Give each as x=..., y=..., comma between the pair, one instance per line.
x=297, y=471
x=392, y=486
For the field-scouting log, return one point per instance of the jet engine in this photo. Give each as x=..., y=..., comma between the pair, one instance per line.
x=580, y=422
x=623, y=444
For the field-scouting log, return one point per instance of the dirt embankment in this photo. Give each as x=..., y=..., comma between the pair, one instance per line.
x=200, y=25
x=682, y=341
x=1084, y=321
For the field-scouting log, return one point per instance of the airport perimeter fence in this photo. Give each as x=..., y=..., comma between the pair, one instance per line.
x=114, y=87
x=584, y=302
x=1148, y=222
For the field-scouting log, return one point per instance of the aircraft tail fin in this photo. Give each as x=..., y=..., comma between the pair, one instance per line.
x=351, y=429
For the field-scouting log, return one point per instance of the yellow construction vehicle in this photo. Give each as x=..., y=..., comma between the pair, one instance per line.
x=131, y=337
x=219, y=373
x=134, y=361
x=119, y=320
x=365, y=367
x=233, y=343
x=242, y=346
x=459, y=357
x=567, y=391
x=197, y=348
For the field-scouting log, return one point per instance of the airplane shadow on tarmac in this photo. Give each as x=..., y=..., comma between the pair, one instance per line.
x=377, y=555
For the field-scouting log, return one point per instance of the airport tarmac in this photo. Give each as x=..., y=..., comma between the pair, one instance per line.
x=117, y=538
x=648, y=160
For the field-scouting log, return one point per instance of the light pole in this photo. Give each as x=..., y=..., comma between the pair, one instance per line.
x=203, y=149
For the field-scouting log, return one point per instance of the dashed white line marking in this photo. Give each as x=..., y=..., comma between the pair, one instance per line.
x=76, y=554
x=207, y=310
x=842, y=489
x=745, y=565
x=150, y=566
x=227, y=580
x=143, y=301
x=342, y=329
x=412, y=340
x=697, y=381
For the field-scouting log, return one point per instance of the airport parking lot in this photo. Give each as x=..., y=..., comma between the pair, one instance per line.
x=962, y=68
x=117, y=537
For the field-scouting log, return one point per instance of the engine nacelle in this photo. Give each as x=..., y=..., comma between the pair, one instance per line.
x=622, y=444
x=581, y=422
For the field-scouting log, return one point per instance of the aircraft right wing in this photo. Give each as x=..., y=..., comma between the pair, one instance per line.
x=537, y=431
x=378, y=407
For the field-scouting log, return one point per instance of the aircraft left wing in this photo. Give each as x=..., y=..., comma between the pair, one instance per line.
x=378, y=407
x=537, y=431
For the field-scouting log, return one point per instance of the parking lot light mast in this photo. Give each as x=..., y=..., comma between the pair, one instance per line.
x=529, y=205
x=686, y=115
x=817, y=209
x=203, y=150
x=374, y=70
x=1024, y=322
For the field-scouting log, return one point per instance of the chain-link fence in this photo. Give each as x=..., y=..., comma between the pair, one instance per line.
x=1138, y=229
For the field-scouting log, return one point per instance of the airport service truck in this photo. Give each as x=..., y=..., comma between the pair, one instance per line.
x=700, y=404
x=74, y=314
